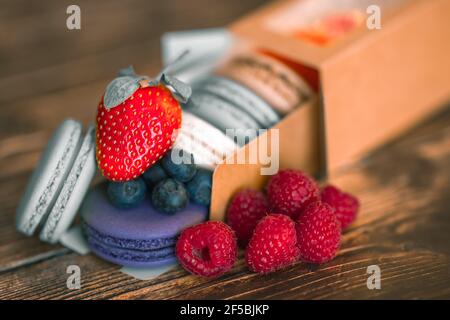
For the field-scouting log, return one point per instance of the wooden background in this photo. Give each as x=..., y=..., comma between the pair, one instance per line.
x=48, y=73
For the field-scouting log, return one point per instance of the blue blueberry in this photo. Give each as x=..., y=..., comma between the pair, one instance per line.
x=179, y=164
x=169, y=196
x=199, y=188
x=126, y=194
x=154, y=174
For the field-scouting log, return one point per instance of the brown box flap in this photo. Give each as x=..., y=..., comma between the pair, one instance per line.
x=298, y=149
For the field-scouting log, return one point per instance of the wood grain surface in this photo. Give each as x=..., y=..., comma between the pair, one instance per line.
x=48, y=73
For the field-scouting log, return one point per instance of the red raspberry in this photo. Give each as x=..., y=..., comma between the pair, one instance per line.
x=244, y=212
x=273, y=244
x=290, y=191
x=345, y=205
x=208, y=249
x=318, y=233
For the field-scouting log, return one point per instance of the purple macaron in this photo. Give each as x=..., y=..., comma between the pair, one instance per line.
x=137, y=237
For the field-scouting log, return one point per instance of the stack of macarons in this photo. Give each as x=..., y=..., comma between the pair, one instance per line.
x=271, y=79
x=141, y=236
x=204, y=141
x=249, y=92
x=59, y=183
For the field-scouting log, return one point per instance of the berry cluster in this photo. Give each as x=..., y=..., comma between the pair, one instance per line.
x=171, y=181
x=294, y=221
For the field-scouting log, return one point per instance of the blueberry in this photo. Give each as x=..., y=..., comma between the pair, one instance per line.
x=169, y=196
x=154, y=174
x=179, y=164
x=199, y=188
x=126, y=194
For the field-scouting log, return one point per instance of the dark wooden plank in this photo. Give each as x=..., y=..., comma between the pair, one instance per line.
x=42, y=53
x=403, y=227
x=48, y=74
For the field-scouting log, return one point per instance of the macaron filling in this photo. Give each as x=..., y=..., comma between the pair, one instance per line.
x=133, y=258
x=132, y=244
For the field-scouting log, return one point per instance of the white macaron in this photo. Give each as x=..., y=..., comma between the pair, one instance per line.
x=242, y=97
x=203, y=157
x=207, y=143
x=59, y=182
x=224, y=115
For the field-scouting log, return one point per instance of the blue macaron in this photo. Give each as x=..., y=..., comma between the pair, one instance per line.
x=138, y=237
x=59, y=183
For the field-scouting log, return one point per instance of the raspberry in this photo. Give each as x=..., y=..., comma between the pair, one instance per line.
x=290, y=191
x=318, y=233
x=244, y=212
x=345, y=205
x=208, y=249
x=273, y=245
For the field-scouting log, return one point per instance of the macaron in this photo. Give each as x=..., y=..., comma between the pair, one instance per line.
x=269, y=78
x=223, y=115
x=240, y=96
x=59, y=182
x=204, y=157
x=73, y=190
x=136, y=237
x=208, y=144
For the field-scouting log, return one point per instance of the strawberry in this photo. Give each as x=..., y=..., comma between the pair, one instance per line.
x=135, y=133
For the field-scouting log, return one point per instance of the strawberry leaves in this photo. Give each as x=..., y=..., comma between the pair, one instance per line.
x=120, y=89
x=182, y=91
x=127, y=82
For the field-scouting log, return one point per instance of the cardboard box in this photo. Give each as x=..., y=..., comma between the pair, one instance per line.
x=373, y=84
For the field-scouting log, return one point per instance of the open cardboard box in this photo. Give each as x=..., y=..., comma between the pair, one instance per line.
x=373, y=84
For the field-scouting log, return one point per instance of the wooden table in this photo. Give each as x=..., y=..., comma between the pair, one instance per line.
x=48, y=73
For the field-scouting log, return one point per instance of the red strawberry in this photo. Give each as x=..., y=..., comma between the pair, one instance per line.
x=290, y=191
x=273, y=245
x=318, y=233
x=244, y=212
x=136, y=133
x=345, y=205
